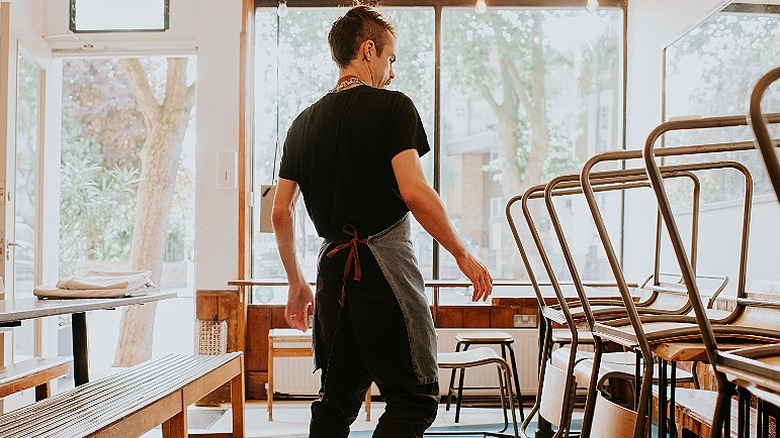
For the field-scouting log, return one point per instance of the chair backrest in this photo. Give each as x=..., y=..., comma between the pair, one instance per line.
x=653, y=169
x=758, y=121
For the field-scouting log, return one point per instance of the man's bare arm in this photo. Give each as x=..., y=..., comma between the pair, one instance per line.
x=299, y=295
x=427, y=208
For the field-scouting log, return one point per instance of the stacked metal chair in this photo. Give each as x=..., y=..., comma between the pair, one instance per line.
x=567, y=365
x=751, y=371
x=751, y=319
x=651, y=327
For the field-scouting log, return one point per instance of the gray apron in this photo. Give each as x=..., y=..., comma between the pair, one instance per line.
x=394, y=254
x=392, y=248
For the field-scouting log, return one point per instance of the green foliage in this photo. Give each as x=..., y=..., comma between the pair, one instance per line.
x=103, y=133
x=97, y=204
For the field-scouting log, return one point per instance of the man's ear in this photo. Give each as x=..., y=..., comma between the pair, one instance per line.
x=367, y=48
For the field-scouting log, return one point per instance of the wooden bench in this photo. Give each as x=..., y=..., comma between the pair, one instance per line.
x=135, y=400
x=36, y=373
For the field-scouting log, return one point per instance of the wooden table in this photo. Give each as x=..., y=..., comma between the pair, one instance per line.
x=13, y=311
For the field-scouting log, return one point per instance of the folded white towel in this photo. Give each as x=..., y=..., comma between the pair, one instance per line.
x=99, y=284
x=53, y=292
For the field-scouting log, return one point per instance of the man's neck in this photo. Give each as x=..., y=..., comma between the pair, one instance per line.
x=355, y=71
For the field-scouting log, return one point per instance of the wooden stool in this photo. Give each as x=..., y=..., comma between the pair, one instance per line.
x=293, y=343
x=488, y=337
x=460, y=360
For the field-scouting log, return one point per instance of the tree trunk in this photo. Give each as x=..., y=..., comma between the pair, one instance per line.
x=160, y=160
x=528, y=93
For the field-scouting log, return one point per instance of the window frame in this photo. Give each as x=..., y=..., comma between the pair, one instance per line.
x=247, y=93
x=74, y=29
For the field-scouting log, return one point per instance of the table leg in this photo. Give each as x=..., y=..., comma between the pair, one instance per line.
x=270, y=395
x=80, y=348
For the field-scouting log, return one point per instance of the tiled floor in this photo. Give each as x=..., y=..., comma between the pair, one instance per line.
x=291, y=419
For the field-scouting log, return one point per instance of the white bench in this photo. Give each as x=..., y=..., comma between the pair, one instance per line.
x=134, y=401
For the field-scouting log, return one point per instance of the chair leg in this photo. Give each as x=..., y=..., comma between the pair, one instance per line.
x=544, y=353
x=502, y=390
x=462, y=373
x=506, y=386
x=590, y=402
x=42, y=391
x=721, y=418
x=643, y=410
x=451, y=388
x=518, y=395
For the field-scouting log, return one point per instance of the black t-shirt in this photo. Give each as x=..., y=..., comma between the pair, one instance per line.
x=339, y=151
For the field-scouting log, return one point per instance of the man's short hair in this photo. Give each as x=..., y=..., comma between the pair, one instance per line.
x=359, y=24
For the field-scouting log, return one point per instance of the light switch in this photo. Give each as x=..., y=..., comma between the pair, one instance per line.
x=227, y=169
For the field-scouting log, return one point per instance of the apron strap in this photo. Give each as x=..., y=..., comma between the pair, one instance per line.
x=352, y=257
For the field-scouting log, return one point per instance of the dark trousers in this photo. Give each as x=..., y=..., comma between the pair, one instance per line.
x=365, y=341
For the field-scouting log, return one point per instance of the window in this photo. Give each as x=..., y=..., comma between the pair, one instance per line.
x=529, y=99
x=89, y=16
x=710, y=71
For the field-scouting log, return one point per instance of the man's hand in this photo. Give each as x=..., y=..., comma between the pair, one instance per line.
x=299, y=297
x=479, y=276
x=427, y=208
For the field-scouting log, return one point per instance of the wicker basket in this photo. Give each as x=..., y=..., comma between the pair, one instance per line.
x=211, y=337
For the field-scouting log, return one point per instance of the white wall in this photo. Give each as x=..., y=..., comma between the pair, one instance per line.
x=652, y=25
x=216, y=248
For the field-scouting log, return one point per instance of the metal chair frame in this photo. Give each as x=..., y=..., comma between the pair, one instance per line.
x=641, y=332
x=669, y=172
x=562, y=314
x=707, y=329
x=755, y=370
x=473, y=358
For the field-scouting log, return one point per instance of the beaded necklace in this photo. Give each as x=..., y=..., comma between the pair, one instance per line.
x=345, y=82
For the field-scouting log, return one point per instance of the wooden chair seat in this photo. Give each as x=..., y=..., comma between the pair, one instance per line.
x=36, y=373
x=754, y=368
x=134, y=400
x=622, y=361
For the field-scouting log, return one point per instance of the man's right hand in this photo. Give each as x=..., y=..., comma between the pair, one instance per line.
x=296, y=313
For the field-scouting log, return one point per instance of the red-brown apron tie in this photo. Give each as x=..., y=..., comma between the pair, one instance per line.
x=351, y=257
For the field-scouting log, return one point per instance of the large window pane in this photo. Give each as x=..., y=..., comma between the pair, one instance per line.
x=535, y=94
x=293, y=70
x=525, y=94
x=711, y=71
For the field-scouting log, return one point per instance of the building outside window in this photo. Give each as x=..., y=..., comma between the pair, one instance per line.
x=536, y=93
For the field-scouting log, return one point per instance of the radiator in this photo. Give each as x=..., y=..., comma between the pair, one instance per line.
x=293, y=375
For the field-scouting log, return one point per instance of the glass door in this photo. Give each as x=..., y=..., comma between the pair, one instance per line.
x=23, y=249
x=26, y=59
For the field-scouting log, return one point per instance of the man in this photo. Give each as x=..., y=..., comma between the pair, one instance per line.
x=354, y=155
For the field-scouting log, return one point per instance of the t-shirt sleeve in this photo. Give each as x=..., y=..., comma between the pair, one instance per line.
x=406, y=128
x=288, y=168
